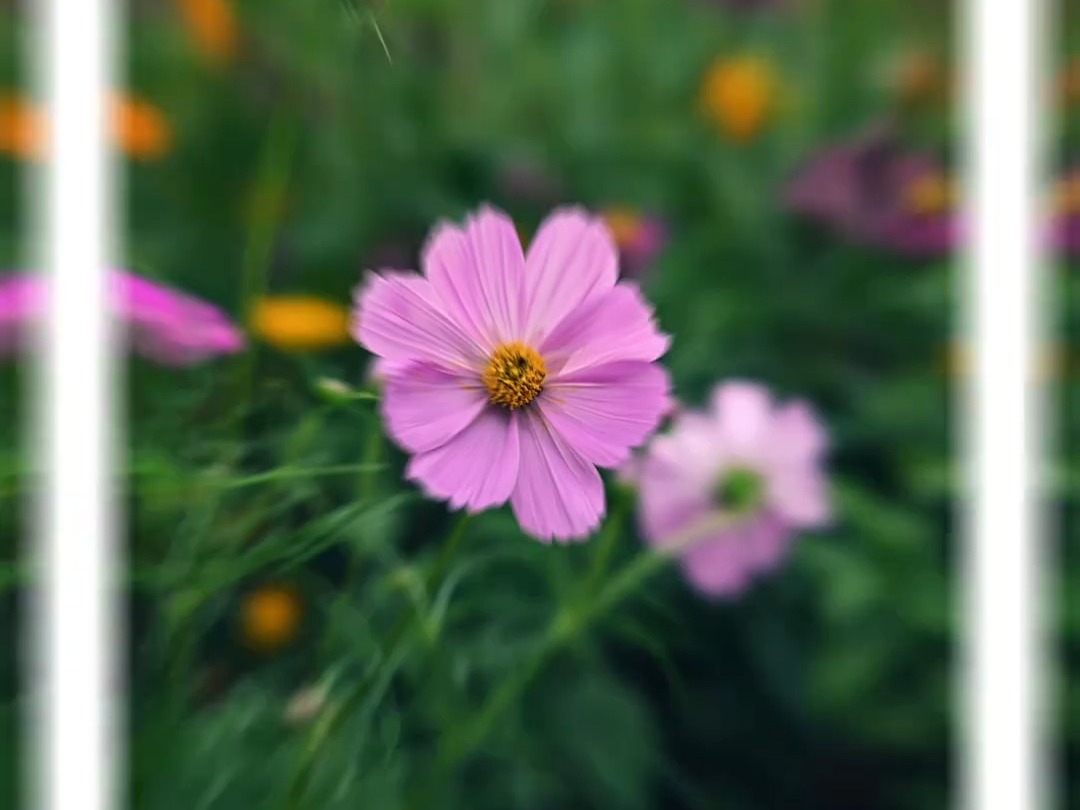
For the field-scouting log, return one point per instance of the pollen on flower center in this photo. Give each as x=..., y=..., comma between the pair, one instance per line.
x=514, y=376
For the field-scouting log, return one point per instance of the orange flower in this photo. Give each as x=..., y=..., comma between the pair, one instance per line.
x=739, y=94
x=270, y=617
x=300, y=322
x=1068, y=82
x=140, y=128
x=212, y=26
x=1066, y=195
x=932, y=193
x=918, y=77
x=22, y=128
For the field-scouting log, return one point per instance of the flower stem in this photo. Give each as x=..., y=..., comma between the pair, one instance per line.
x=609, y=539
x=329, y=724
x=564, y=628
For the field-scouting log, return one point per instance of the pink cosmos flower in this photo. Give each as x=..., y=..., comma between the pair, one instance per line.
x=163, y=324
x=732, y=485
x=513, y=376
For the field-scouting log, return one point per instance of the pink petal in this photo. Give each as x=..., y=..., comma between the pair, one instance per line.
x=743, y=412
x=605, y=411
x=571, y=259
x=616, y=325
x=799, y=496
x=380, y=369
x=479, y=274
x=717, y=566
x=797, y=434
x=769, y=544
x=425, y=406
x=169, y=326
x=672, y=496
x=477, y=468
x=559, y=495
x=399, y=316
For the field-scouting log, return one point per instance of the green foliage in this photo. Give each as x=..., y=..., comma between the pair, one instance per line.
x=505, y=673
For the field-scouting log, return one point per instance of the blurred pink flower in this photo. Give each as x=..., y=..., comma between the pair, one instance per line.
x=870, y=190
x=744, y=476
x=1064, y=222
x=171, y=327
x=22, y=301
x=164, y=325
x=513, y=376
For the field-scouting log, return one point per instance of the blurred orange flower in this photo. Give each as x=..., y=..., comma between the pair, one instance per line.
x=1066, y=195
x=739, y=94
x=918, y=77
x=140, y=128
x=624, y=224
x=212, y=26
x=270, y=617
x=22, y=128
x=1068, y=82
x=930, y=194
x=300, y=322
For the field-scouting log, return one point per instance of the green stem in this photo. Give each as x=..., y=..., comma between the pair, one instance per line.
x=288, y=474
x=564, y=628
x=609, y=539
x=450, y=548
x=373, y=451
x=270, y=187
x=329, y=724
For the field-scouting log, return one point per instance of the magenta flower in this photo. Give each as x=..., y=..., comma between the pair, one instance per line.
x=22, y=301
x=171, y=327
x=513, y=376
x=164, y=325
x=731, y=486
x=870, y=190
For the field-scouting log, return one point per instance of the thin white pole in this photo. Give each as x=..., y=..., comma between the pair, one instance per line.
x=999, y=413
x=77, y=746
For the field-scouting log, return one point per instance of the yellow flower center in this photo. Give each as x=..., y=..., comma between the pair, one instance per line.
x=930, y=194
x=514, y=376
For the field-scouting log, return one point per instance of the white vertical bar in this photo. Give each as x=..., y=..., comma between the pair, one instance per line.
x=1003, y=649
x=77, y=753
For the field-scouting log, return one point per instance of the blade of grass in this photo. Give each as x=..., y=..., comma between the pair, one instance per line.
x=271, y=184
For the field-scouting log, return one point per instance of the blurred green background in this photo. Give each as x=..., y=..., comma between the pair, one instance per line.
x=280, y=148
x=1064, y=429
